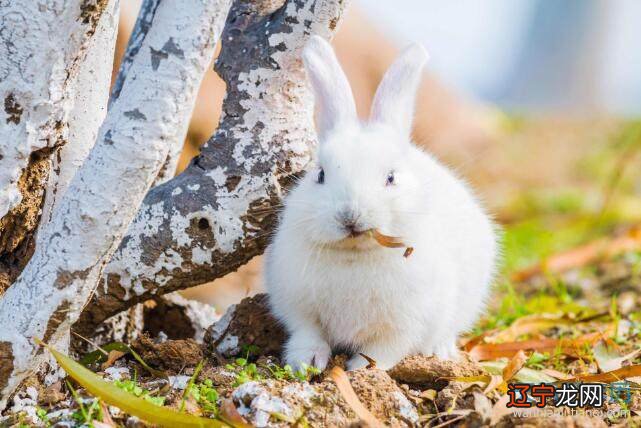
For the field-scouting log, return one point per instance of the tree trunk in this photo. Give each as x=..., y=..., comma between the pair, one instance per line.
x=219, y=212
x=148, y=115
x=42, y=50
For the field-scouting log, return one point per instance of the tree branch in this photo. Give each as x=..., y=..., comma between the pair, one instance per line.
x=218, y=213
x=91, y=94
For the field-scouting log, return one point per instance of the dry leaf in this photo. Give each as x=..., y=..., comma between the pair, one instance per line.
x=191, y=407
x=389, y=241
x=371, y=363
x=609, y=359
x=514, y=365
x=525, y=375
x=611, y=376
x=530, y=324
x=493, y=351
x=429, y=394
x=557, y=374
x=586, y=254
x=339, y=377
x=112, y=357
x=495, y=381
x=500, y=409
x=509, y=371
x=606, y=356
x=386, y=241
x=482, y=405
x=229, y=414
x=53, y=394
x=106, y=416
x=471, y=342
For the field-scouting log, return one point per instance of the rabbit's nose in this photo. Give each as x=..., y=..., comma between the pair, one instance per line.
x=352, y=230
x=349, y=221
x=350, y=227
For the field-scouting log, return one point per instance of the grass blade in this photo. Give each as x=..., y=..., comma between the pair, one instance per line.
x=127, y=402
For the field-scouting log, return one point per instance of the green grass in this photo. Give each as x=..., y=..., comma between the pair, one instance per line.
x=206, y=396
x=555, y=299
x=132, y=387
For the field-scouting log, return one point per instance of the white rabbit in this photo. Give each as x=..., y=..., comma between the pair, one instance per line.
x=333, y=286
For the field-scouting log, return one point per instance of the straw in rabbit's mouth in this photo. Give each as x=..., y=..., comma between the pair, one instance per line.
x=389, y=241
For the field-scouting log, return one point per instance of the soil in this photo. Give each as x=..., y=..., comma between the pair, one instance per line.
x=170, y=355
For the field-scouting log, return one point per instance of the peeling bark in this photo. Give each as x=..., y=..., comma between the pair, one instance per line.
x=42, y=47
x=89, y=220
x=218, y=213
x=6, y=363
x=17, y=228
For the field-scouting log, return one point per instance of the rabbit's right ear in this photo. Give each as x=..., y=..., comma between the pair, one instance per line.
x=333, y=94
x=394, y=100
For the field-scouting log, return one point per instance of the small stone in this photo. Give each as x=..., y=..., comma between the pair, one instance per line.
x=430, y=371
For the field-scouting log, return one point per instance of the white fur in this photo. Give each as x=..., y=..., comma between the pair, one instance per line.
x=332, y=291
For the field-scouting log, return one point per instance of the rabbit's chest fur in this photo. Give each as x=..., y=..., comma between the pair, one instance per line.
x=369, y=296
x=356, y=302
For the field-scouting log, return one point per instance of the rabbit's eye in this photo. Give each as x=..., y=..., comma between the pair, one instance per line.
x=390, y=178
x=321, y=176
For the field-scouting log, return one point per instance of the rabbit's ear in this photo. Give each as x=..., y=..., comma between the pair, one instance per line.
x=334, y=98
x=396, y=95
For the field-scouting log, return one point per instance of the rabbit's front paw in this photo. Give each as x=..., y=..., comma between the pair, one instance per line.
x=385, y=356
x=310, y=352
x=447, y=351
x=356, y=362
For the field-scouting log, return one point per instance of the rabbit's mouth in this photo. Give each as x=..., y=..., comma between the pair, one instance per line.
x=356, y=233
x=371, y=239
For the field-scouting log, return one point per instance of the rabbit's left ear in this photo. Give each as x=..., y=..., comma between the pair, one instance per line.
x=396, y=95
x=333, y=94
